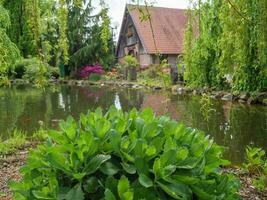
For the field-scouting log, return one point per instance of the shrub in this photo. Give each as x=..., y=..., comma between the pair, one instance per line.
x=130, y=61
x=16, y=141
x=86, y=71
x=130, y=67
x=34, y=70
x=256, y=165
x=125, y=156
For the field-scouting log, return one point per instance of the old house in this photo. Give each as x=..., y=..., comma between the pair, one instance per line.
x=136, y=36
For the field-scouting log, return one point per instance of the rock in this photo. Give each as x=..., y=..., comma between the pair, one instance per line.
x=180, y=90
x=244, y=97
x=195, y=92
x=175, y=88
x=227, y=97
x=217, y=94
x=241, y=101
x=157, y=88
x=251, y=100
x=261, y=96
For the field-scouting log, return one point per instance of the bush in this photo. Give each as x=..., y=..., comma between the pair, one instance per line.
x=256, y=165
x=86, y=71
x=131, y=64
x=34, y=70
x=125, y=156
x=130, y=61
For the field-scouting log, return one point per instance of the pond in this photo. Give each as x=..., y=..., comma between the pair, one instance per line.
x=232, y=125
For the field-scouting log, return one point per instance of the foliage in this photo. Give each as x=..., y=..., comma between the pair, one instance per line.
x=91, y=41
x=121, y=155
x=16, y=141
x=130, y=61
x=35, y=70
x=86, y=71
x=63, y=44
x=256, y=165
x=164, y=73
x=231, y=42
x=8, y=50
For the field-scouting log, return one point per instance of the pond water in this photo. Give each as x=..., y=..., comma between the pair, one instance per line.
x=230, y=124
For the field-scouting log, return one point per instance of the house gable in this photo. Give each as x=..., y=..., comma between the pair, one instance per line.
x=129, y=38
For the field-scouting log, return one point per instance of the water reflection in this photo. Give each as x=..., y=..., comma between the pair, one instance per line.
x=232, y=125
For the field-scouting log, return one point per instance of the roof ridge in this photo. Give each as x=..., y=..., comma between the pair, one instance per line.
x=134, y=5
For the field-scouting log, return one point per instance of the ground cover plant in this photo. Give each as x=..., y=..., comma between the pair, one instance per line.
x=256, y=166
x=120, y=155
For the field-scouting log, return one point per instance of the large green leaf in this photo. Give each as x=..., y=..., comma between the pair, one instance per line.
x=145, y=181
x=176, y=190
x=94, y=164
x=109, y=195
x=75, y=193
x=109, y=168
x=124, y=189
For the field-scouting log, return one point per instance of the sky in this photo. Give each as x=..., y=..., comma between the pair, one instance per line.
x=116, y=9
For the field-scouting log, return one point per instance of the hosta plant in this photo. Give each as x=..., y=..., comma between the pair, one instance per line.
x=127, y=156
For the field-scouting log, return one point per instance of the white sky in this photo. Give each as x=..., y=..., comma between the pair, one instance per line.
x=116, y=8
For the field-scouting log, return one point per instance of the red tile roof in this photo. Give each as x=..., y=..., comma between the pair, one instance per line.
x=168, y=26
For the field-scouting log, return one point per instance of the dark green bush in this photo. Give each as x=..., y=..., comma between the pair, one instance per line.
x=19, y=70
x=125, y=156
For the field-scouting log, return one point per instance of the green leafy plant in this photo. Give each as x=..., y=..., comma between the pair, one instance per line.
x=130, y=61
x=256, y=165
x=165, y=76
x=120, y=155
x=16, y=141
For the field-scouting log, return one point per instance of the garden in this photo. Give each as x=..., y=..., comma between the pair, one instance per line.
x=76, y=124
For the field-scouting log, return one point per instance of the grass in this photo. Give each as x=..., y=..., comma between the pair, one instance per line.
x=18, y=140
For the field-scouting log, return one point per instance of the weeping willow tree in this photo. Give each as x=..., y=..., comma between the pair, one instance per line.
x=8, y=50
x=230, y=49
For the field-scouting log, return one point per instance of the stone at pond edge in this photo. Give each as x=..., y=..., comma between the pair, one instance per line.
x=227, y=97
x=244, y=97
x=251, y=100
x=261, y=96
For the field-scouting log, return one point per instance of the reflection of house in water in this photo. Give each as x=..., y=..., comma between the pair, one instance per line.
x=161, y=105
x=226, y=110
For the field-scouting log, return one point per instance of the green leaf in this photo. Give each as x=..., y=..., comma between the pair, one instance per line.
x=145, y=181
x=189, y=180
x=58, y=161
x=177, y=191
x=108, y=168
x=94, y=164
x=124, y=189
x=41, y=195
x=109, y=195
x=130, y=169
x=201, y=193
x=92, y=185
x=75, y=193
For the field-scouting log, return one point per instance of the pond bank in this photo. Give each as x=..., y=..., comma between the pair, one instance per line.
x=245, y=98
x=10, y=165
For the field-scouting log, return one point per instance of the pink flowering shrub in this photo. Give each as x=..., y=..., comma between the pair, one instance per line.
x=85, y=71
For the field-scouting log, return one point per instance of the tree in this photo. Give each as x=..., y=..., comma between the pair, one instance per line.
x=8, y=50
x=231, y=43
